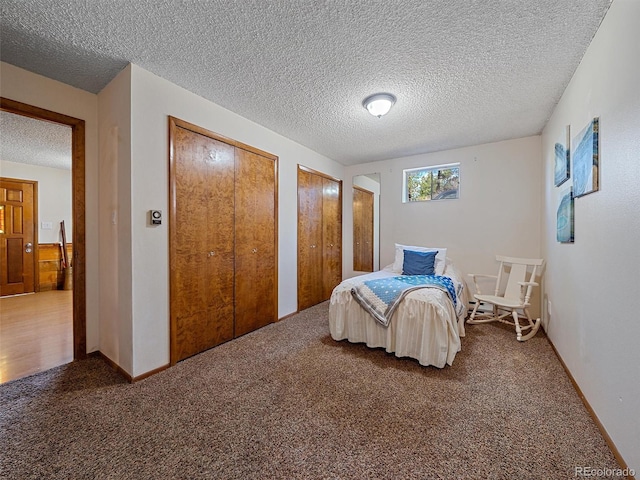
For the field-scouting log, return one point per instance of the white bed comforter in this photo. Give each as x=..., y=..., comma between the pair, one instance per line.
x=424, y=326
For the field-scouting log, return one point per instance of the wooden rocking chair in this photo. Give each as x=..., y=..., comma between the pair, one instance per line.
x=516, y=295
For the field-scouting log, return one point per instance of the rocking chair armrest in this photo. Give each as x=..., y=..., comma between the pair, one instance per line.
x=525, y=284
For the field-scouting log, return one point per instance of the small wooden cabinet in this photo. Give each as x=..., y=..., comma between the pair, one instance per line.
x=223, y=239
x=319, y=236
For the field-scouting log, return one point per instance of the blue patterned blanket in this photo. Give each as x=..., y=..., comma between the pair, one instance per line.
x=382, y=296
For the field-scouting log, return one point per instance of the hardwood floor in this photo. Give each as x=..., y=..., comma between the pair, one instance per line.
x=36, y=333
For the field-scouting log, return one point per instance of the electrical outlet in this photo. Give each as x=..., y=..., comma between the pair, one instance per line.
x=46, y=225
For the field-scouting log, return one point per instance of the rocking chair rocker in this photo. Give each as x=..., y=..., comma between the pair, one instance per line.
x=516, y=296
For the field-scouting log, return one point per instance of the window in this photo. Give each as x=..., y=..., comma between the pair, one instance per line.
x=431, y=183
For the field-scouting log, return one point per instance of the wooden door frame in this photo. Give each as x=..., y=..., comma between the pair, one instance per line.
x=78, y=212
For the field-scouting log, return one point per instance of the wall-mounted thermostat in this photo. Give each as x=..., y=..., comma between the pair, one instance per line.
x=155, y=217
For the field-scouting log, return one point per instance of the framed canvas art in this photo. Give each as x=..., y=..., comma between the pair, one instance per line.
x=586, y=159
x=565, y=218
x=562, y=168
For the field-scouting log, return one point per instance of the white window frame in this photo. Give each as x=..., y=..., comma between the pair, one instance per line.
x=427, y=169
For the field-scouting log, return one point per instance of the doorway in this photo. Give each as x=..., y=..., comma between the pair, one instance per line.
x=78, y=301
x=366, y=222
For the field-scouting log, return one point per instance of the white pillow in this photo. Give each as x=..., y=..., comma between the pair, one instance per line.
x=439, y=265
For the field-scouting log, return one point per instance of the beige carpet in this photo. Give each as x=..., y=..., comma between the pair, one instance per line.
x=288, y=402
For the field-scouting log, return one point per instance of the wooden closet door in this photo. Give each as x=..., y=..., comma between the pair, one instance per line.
x=255, y=230
x=331, y=236
x=310, y=279
x=201, y=242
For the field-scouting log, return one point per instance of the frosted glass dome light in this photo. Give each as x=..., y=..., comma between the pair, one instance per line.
x=379, y=104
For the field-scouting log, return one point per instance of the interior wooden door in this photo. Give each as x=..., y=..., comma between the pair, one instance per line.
x=255, y=231
x=310, y=280
x=18, y=236
x=362, y=230
x=201, y=242
x=331, y=235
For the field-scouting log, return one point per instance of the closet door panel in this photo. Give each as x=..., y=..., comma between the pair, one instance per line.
x=187, y=340
x=331, y=236
x=191, y=193
x=219, y=327
x=220, y=231
x=256, y=285
x=201, y=285
x=310, y=286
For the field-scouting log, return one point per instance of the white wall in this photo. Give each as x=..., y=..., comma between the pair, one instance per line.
x=116, y=329
x=498, y=211
x=54, y=196
x=26, y=87
x=152, y=100
x=593, y=284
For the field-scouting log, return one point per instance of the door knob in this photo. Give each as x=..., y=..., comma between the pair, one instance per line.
x=28, y=247
x=255, y=250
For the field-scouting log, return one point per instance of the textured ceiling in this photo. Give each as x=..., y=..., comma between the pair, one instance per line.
x=464, y=72
x=36, y=142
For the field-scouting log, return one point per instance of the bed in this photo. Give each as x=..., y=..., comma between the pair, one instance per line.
x=426, y=325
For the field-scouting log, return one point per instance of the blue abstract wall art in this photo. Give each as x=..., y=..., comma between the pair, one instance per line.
x=565, y=218
x=585, y=160
x=563, y=159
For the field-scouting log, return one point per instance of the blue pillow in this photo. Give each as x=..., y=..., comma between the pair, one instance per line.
x=419, y=263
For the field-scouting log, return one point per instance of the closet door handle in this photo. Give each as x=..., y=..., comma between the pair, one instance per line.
x=255, y=250
x=211, y=253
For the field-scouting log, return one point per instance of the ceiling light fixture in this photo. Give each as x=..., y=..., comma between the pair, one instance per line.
x=379, y=104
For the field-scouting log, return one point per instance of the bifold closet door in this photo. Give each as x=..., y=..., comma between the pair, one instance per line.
x=310, y=280
x=319, y=237
x=201, y=242
x=331, y=236
x=255, y=231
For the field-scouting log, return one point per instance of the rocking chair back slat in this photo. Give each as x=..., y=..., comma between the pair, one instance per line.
x=499, y=279
x=518, y=274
